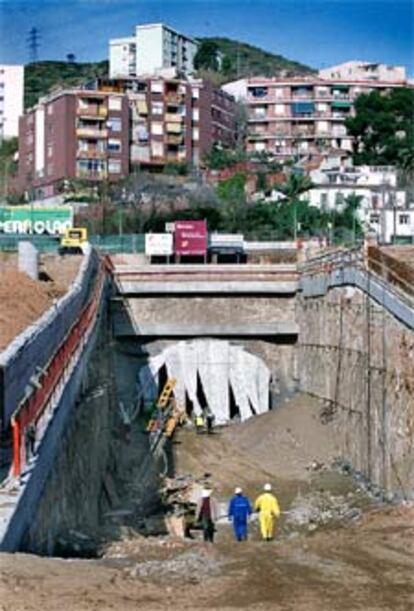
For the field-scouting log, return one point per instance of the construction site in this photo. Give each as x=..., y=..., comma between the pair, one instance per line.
x=129, y=388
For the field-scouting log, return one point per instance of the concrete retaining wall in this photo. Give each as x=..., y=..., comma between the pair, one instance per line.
x=34, y=347
x=356, y=352
x=62, y=488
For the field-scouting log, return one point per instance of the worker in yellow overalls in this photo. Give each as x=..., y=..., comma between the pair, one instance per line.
x=268, y=507
x=199, y=422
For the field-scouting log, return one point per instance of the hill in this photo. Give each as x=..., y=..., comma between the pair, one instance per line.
x=247, y=60
x=41, y=77
x=241, y=60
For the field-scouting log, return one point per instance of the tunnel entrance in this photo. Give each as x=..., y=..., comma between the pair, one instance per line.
x=212, y=376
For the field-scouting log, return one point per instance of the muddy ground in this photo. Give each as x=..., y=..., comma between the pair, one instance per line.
x=338, y=546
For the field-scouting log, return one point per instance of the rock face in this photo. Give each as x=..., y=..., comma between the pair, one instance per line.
x=212, y=374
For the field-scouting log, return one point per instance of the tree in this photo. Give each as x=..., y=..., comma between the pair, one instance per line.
x=231, y=193
x=382, y=126
x=292, y=189
x=227, y=65
x=207, y=56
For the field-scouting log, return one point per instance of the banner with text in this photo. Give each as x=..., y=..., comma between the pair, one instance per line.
x=158, y=244
x=35, y=219
x=191, y=237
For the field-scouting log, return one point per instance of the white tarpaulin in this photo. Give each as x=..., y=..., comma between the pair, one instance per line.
x=215, y=365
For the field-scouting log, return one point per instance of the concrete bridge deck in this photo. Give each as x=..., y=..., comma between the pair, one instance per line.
x=204, y=279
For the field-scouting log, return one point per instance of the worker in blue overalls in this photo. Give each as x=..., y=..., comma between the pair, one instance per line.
x=239, y=512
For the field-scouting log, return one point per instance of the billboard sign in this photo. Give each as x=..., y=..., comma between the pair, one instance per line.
x=191, y=237
x=158, y=244
x=36, y=220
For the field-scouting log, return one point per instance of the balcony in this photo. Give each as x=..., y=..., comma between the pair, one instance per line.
x=174, y=117
x=176, y=140
x=96, y=112
x=91, y=132
x=90, y=153
x=174, y=99
x=261, y=117
x=91, y=174
x=174, y=128
x=303, y=133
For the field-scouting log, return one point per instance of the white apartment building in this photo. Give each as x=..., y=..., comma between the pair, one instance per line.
x=376, y=185
x=391, y=225
x=154, y=48
x=11, y=100
x=365, y=71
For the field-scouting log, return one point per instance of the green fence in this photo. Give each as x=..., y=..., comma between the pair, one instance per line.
x=44, y=243
x=129, y=243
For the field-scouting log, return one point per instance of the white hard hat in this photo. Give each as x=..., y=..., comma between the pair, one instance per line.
x=238, y=490
x=267, y=487
x=206, y=493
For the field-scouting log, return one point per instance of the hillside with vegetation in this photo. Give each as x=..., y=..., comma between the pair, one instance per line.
x=240, y=59
x=42, y=77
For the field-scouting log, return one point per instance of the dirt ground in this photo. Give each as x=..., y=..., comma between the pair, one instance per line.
x=337, y=548
x=23, y=300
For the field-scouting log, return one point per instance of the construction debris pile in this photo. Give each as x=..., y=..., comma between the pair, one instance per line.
x=180, y=495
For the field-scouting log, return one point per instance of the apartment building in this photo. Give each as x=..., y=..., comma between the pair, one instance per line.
x=73, y=134
x=303, y=116
x=175, y=120
x=153, y=48
x=100, y=132
x=11, y=100
x=365, y=71
x=375, y=185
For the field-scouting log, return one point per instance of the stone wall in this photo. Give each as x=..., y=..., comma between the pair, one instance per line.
x=360, y=360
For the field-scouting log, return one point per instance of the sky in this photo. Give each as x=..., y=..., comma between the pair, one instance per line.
x=319, y=33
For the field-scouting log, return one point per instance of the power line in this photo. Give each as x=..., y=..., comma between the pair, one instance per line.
x=33, y=43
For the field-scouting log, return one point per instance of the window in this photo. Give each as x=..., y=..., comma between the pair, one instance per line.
x=114, y=146
x=50, y=169
x=196, y=133
x=50, y=109
x=339, y=198
x=196, y=93
x=404, y=219
x=157, y=149
x=324, y=199
x=114, y=103
x=157, y=108
x=114, y=166
x=115, y=124
x=50, y=150
x=374, y=218
x=259, y=92
x=157, y=129
x=196, y=114
x=157, y=86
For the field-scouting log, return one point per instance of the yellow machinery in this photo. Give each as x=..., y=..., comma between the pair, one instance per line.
x=74, y=241
x=169, y=413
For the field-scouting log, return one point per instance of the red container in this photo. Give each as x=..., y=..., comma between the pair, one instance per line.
x=190, y=238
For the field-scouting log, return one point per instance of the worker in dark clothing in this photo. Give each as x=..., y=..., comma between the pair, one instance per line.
x=30, y=440
x=206, y=513
x=239, y=511
x=210, y=422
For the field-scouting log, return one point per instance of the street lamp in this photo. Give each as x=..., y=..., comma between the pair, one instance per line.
x=121, y=211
